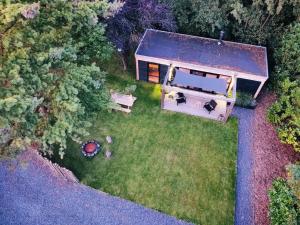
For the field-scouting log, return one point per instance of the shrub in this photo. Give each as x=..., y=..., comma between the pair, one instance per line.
x=285, y=113
x=287, y=56
x=293, y=178
x=245, y=100
x=283, y=209
x=130, y=89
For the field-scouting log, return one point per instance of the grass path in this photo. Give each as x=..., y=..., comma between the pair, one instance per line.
x=178, y=164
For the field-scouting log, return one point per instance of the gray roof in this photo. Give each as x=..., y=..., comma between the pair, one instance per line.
x=32, y=194
x=238, y=57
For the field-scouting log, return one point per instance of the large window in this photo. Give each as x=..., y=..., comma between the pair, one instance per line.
x=153, y=72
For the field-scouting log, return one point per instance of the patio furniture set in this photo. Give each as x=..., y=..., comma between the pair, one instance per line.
x=180, y=98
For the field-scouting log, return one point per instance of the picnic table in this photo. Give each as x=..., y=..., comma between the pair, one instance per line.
x=124, y=102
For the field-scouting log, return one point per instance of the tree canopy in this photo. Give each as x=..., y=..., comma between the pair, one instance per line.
x=256, y=22
x=127, y=26
x=48, y=71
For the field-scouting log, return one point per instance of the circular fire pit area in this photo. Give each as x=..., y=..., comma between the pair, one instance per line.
x=90, y=148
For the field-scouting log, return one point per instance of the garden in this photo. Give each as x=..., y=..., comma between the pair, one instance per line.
x=56, y=73
x=181, y=165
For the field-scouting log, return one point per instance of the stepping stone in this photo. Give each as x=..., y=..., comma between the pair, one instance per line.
x=107, y=154
x=109, y=139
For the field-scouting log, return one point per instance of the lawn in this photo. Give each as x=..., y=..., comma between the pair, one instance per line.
x=178, y=164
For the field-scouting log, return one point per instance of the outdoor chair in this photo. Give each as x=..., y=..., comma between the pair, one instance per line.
x=180, y=98
x=210, y=106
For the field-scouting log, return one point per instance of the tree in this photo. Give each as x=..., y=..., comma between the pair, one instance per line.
x=126, y=27
x=287, y=54
x=48, y=69
x=262, y=21
x=198, y=17
x=256, y=22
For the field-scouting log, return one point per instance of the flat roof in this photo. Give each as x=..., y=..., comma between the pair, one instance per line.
x=233, y=56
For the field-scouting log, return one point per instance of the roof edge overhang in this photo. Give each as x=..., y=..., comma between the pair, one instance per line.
x=266, y=62
x=207, y=38
x=203, y=68
x=141, y=41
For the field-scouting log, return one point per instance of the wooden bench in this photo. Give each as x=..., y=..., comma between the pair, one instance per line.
x=123, y=102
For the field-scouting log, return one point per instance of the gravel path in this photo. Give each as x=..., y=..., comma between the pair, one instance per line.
x=243, y=205
x=31, y=194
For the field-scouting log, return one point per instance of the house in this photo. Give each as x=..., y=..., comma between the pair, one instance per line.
x=200, y=76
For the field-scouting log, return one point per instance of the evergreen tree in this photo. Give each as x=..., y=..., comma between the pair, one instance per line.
x=48, y=52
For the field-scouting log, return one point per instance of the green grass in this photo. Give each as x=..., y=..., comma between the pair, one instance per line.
x=178, y=164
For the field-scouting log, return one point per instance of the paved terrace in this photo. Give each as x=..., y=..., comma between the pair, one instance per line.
x=32, y=193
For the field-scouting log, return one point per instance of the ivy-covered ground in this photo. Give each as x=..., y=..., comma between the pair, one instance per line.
x=178, y=164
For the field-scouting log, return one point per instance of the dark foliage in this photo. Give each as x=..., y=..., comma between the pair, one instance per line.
x=126, y=27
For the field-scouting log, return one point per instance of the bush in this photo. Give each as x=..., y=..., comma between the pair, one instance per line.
x=293, y=178
x=96, y=98
x=244, y=99
x=285, y=113
x=287, y=56
x=130, y=89
x=283, y=209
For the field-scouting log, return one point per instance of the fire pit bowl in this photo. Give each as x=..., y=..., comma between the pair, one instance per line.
x=90, y=148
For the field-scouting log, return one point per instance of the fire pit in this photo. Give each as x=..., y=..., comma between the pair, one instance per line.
x=90, y=148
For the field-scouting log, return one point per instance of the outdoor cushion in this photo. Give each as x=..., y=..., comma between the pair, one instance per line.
x=213, y=103
x=180, y=95
x=210, y=106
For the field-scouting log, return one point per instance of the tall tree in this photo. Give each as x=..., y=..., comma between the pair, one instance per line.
x=287, y=54
x=47, y=71
x=126, y=27
x=201, y=17
x=257, y=21
x=263, y=21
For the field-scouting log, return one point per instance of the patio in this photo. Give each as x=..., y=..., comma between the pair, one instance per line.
x=197, y=91
x=195, y=106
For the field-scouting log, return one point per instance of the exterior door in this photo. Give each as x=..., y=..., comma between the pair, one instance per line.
x=153, y=72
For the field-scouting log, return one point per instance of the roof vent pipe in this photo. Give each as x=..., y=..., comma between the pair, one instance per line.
x=221, y=37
